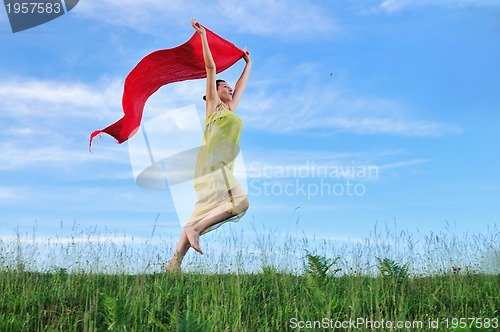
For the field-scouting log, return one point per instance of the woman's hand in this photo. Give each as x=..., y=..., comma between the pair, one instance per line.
x=198, y=27
x=246, y=56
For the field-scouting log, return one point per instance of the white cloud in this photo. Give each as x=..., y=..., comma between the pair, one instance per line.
x=44, y=119
x=7, y=194
x=396, y=5
x=144, y=16
x=16, y=155
x=392, y=6
x=325, y=106
x=393, y=125
x=277, y=17
x=402, y=164
x=280, y=164
x=23, y=132
x=261, y=17
x=49, y=98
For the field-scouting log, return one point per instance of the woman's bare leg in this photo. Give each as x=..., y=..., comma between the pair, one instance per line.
x=174, y=265
x=190, y=237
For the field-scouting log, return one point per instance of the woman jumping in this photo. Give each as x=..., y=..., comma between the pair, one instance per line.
x=220, y=197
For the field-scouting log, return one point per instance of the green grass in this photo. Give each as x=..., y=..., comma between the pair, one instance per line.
x=266, y=301
x=385, y=278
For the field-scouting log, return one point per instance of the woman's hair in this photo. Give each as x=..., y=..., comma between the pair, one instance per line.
x=216, y=87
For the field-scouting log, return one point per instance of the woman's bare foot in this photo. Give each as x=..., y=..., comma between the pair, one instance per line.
x=193, y=238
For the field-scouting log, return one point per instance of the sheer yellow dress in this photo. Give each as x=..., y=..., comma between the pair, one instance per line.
x=216, y=187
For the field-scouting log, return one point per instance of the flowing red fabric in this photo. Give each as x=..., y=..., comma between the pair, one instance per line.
x=184, y=62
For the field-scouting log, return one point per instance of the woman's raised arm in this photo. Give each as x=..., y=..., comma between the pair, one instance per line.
x=211, y=90
x=242, y=82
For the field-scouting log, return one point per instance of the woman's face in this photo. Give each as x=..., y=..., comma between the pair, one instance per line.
x=225, y=92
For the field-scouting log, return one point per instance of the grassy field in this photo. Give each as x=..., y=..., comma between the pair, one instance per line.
x=267, y=301
x=328, y=292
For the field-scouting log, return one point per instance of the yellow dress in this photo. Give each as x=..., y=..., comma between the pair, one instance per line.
x=216, y=187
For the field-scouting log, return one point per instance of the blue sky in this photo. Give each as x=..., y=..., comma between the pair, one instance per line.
x=410, y=88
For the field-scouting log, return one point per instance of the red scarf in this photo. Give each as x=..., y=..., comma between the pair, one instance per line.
x=184, y=62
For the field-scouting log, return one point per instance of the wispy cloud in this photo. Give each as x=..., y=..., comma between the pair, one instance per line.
x=7, y=194
x=46, y=120
x=48, y=98
x=392, y=6
x=402, y=164
x=394, y=125
x=145, y=16
x=259, y=17
x=292, y=163
x=277, y=17
x=16, y=156
x=329, y=107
